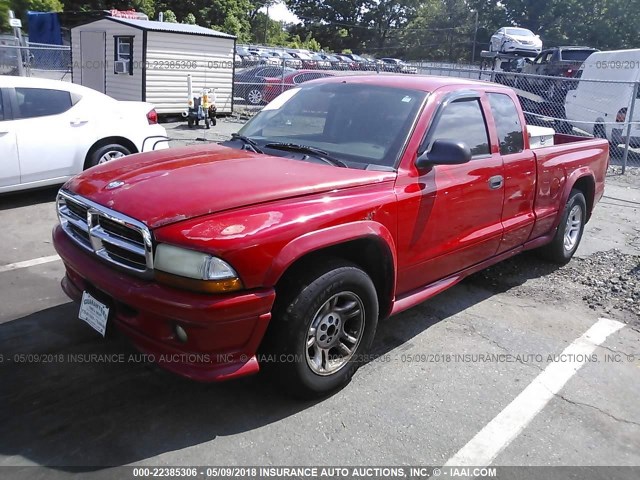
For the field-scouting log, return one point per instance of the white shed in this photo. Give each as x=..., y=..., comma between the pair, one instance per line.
x=142, y=60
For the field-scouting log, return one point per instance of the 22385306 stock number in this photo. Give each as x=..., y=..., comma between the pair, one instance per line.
x=165, y=472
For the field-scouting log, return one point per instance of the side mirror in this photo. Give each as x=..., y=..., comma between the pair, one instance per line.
x=444, y=152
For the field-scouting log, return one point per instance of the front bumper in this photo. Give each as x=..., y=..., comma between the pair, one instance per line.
x=224, y=331
x=520, y=48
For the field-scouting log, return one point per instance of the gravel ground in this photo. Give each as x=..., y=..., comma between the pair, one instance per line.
x=607, y=282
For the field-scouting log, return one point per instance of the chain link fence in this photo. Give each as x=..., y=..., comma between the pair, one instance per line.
x=579, y=106
x=36, y=60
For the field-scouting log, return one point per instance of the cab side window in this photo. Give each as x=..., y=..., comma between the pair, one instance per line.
x=508, y=123
x=463, y=121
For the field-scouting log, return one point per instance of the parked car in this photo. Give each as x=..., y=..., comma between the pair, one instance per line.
x=351, y=65
x=275, y=86
x=307, y=60
x=247, y=58
x=601, y=109
x=556, y=62
x=249, y=82
x=515, y=39
x=321, y=62
x=336, y=63
x=52, y=130
x=270, y=60
x=398, y=66
x=363, y=63
x=342, y=202
x=283, y=58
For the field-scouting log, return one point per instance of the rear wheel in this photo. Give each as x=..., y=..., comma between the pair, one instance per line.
x=107, y=153
x=324, y=321
x=569, y=232
x=255, y=96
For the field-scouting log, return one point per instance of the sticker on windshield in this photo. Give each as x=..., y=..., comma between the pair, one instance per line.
x=281, y=99
x=406, y=99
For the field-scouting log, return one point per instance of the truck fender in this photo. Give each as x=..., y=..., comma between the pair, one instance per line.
x=577, y=174
x=328, y=237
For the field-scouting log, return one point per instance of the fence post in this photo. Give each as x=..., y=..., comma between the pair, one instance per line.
x=628, y=119
x=284, y=64
x=18, y=34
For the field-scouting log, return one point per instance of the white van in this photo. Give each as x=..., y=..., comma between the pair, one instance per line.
x=600, y=109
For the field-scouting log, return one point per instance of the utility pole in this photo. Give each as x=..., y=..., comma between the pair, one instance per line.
x=266, y=25
x=475, y=38
x=16, y=24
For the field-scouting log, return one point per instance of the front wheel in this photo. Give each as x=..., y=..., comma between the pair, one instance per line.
x=569, y=233
x=323, y=325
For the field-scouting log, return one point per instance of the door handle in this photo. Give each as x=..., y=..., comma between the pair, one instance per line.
x=77, y=122
x=496, y=182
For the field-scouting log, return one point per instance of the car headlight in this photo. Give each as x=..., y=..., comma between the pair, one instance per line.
x=193, y=270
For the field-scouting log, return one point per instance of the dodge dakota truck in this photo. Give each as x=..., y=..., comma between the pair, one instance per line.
x=344, y=201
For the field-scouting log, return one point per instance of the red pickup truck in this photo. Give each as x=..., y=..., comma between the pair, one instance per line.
x=344, y=201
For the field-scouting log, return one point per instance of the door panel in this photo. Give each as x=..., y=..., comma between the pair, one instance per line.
x=9, y=164
x=452, y=213
x=50, y=134
x=519, y=171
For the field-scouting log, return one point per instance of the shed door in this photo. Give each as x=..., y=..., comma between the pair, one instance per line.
x=93, y=58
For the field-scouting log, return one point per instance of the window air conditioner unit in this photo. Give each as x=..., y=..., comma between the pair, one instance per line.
x=122, y=66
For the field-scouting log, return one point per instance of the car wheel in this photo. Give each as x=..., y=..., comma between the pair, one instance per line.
x=569, y=232
x=599, y=131
x=255, y=96
x=107, y=153
x=323, y=324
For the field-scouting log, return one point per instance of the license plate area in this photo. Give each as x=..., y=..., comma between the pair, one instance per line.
x=94, y=311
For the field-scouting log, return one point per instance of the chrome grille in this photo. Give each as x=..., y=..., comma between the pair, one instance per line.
x=114, y=237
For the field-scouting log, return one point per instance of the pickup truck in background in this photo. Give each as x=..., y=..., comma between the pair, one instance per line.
x=344, y=201
x=554, y=62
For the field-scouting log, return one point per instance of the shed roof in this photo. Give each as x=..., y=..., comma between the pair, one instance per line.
x=183, y=28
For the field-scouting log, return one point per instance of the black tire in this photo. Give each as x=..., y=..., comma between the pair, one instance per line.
x=557, y=251
x=112, y=149
x=599, y=131
x=299, y=301
x=207, y=125
x=190, y=123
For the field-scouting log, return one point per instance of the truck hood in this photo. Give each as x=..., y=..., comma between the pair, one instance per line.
x=160, y=188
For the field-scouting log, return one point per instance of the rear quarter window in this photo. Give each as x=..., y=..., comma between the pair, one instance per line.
x=42, y=102
x=505, y=115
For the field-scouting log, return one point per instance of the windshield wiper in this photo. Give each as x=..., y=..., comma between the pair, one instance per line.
x=316, y=152
x=247, y=141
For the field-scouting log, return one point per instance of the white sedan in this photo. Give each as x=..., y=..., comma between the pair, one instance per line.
x=52, y=130
x=515, y=40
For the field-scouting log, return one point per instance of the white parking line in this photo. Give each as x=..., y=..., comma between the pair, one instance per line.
x=28, y=263
x=510, y=422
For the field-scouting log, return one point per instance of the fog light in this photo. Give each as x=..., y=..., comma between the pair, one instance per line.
x=181, y=334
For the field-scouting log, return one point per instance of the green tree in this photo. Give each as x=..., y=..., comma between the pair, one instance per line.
x=169, y=16
x=190, y=19
x=4, y=15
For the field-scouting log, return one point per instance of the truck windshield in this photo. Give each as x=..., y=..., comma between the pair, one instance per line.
x=353, y=122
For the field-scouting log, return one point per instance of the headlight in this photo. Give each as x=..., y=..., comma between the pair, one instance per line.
x=193, y=270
